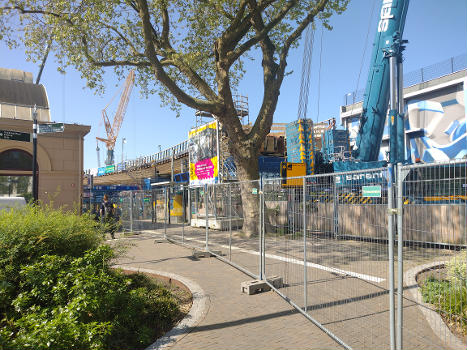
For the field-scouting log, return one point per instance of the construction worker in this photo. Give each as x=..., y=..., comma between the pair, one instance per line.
x=107, y=215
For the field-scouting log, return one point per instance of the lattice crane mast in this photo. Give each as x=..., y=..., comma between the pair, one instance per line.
x=113, y=129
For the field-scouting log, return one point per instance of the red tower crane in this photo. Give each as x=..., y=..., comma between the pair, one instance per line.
x=113, y=129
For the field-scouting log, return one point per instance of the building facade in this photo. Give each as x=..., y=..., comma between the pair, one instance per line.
x=59, y=155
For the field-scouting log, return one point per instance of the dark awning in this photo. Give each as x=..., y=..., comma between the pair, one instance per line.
x=23, y=94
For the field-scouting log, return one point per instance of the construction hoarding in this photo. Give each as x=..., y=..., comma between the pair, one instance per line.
x=204, y=154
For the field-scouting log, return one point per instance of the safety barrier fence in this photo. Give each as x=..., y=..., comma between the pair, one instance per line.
x=342, y=244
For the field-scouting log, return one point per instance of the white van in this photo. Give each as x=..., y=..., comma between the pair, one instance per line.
x=12, y=202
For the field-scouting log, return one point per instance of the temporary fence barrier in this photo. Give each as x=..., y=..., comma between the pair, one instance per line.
x=342, y=243
x=431, y=218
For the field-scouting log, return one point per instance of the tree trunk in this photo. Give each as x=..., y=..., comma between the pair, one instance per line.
x=248, y=174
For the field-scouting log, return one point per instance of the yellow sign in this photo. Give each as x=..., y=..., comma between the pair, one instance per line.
x=204, y=164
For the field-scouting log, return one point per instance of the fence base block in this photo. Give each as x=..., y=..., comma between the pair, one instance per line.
x=259, y=286
x=205, y=254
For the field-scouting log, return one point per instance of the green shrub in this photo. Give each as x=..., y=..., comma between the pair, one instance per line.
x=33, y=231
x=57, y=290
x=457, y=272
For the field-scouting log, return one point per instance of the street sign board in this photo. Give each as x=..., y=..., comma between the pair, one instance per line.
x=371, y=191
x=52, y=127
x=109, y=169
x=15, y=135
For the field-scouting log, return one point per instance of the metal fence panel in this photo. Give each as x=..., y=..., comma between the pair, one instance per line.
x=337, y=272
x=433, y=216
x=327, y=237
x=229, y=236
x=136, y=211
x=185, y=215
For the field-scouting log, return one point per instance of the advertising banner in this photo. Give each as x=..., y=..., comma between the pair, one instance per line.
x=203, y=152
x=101, y=171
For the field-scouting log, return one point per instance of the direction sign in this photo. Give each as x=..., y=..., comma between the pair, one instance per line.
x=109, y=169
x=48, y=128
x=15, y=135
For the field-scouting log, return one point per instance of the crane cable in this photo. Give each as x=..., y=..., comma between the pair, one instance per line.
x=306, y=70
x=363, y=56
x=319, y=71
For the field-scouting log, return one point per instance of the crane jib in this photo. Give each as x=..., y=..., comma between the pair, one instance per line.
x=387, y=43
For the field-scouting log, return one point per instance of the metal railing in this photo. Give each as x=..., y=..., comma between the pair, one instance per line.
x=342, y=244
x=147, y=161
x=449, y=66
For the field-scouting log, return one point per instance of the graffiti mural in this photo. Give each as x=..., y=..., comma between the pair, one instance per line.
x=435, y=127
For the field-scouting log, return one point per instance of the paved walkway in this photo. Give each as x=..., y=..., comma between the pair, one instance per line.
x=233, y=320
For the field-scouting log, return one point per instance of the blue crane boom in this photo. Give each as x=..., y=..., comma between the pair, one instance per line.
x=386, y=61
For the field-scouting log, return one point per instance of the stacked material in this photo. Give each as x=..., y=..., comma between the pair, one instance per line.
x=334, y=142
x=300, y=143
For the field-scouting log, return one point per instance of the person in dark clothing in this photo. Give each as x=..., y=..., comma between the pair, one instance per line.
x=107, y=214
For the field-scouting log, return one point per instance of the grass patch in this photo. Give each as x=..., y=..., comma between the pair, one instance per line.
x=449, y=300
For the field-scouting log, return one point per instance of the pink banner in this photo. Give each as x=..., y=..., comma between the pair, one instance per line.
x=204, y=169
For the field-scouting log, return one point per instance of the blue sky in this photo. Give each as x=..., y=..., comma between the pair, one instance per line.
x=436, y=30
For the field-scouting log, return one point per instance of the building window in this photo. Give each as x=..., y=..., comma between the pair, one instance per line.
x=15, y=159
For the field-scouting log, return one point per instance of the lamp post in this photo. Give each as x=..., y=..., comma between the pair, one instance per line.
x=34, y=155
x=123, y=143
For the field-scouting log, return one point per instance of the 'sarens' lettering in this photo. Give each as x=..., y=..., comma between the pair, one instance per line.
x=385, y=16
x=358, y=177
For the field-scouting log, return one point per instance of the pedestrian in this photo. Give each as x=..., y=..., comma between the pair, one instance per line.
x=107, y=214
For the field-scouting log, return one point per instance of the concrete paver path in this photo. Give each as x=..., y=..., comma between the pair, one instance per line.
x=233, y=320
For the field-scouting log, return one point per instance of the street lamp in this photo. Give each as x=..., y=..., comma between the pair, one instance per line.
x=9, y=186
x=34, y=155
x=123, y=142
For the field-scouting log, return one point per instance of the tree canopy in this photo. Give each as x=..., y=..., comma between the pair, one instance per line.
x=190, y=52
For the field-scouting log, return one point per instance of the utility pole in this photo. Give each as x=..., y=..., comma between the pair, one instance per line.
x=34, y=156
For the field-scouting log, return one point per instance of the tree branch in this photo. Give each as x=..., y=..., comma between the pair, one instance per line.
x=24, y=11
x=261, y=34
x=296, y=34
x=109, y=63
x=161, y=75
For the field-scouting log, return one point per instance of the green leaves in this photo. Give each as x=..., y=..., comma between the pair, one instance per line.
x=90, y=35
x=58, y=290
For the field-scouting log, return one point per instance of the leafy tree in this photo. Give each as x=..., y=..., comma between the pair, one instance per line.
x=190, y=52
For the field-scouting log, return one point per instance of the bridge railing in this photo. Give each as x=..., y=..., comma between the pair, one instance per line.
x=449, y=66
x=145, y=161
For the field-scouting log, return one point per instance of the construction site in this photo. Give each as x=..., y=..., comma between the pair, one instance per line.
x=358, y=222
x=350, y=217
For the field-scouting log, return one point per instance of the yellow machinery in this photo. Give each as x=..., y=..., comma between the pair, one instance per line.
x=292, y=170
